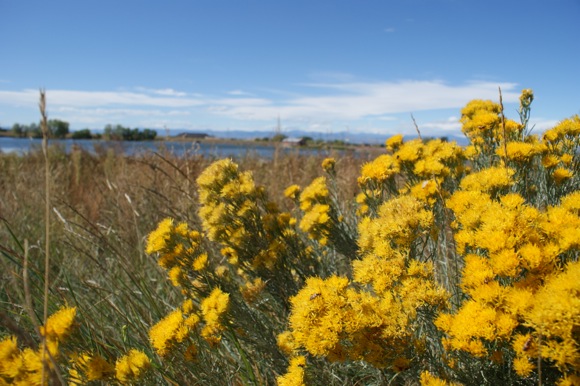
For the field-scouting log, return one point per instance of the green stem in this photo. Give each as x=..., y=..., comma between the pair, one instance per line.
x=247, y=364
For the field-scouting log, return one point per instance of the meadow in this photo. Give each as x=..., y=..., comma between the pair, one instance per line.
x=428, y=263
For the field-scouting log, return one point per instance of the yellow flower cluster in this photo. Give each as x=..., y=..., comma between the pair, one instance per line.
x=173, y=329
x=295, y=374
x=213, y=310
x=87, y=368
x=27, y=366
x=179, y=250
x=461, y=264
x=423, y=168
x=522, y=286
x=315, y=202
x=400, y=221
x=132, y=367
x=228, y=201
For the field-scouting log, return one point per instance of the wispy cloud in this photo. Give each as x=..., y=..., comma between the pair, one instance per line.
x=74, y=98
x=239, y=93
x=339, y=101
x=452, y=124
x=351, y=101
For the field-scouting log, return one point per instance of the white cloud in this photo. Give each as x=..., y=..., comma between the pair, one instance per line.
x=449, y=125
x=539, y=125
x=73, y=98
x=239, y=93
x=338, y=102
x=351, y=101
x=390, y=29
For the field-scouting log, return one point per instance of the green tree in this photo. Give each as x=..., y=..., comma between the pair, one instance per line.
x=33, y=130
x=58, y=128
x=81, y=134
x=18, y=130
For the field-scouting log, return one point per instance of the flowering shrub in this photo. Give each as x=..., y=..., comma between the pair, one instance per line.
x=453, y=265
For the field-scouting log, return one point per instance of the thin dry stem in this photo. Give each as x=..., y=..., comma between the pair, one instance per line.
x=503, y=124
x=416, y=127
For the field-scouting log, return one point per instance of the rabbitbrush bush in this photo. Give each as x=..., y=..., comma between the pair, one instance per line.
x=453, y=265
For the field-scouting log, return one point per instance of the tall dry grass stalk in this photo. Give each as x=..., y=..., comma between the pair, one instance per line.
x=47, y=205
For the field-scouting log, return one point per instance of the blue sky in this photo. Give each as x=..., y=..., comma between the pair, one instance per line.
x=318, y=65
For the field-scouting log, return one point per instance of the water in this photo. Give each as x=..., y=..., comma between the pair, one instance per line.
x=179, y=148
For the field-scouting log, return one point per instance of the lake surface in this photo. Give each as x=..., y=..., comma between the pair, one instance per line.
x=178, y=148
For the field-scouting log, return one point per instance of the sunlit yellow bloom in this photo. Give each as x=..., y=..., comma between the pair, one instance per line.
x=427, y=379
x=426, y=191
x=213, y=309
x=409, y=151
x=520, y=151
x=400, y=220
x=523, y=366
x=157, y=240
x=550, y=160
x=171, y=330
x=379, y=170
x=562, y=174
x=200, y=263
x=328, y=164
x=59, y=325
x=295, y=374
x=132, y=367
x=394, y=142
x=555, y=313
x=293, y=191
x=488, y=180
x=316, y=192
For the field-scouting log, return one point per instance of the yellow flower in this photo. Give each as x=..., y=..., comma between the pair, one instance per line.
x=94, y=367
x=400, y=221
x=286, y=343
x=200, y=263
x=520, y=151
x=157, y=240
x=171, y=330
x=316, y=192
x=328, y=165
x=213, y=309
x=488, y=180
x=59, y=325
x=427, y=379
x=251, y=290
x=550, y=160
x=562, y=174
x=555, y=313
x=426, y=191
x=292, y=191
x=10, y=360
x=526, y=97
x=131, y=367
x=394, y=142
x=295, y=374
x=523, y=366
x=409, y=151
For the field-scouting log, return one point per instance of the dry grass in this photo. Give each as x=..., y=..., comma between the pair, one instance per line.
x=102, y=207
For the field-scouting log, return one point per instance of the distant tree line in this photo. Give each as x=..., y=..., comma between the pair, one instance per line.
x=60, y=129
x=56, y=129
x=121, y=133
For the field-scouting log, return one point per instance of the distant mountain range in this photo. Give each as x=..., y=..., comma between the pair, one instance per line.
x=349, y=137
